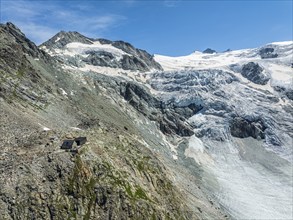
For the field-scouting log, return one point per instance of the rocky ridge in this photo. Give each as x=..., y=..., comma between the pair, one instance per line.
x=131, y=59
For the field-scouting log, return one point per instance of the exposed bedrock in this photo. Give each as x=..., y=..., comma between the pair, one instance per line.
x=243, y=128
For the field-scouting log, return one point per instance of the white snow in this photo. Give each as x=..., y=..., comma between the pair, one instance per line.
x=198, y=60
x=44, y=128
x=283, y=43
x=76, y=128
x=76, y=48
x=63, y=92
x=249, y=190
x=58, y=38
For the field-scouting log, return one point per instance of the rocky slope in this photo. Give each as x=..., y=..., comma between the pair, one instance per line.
x=204, y=136
x=123, y=172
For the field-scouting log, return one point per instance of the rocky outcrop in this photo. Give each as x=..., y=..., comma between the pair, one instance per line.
x=169, y=117
x=285, y=92
x=10, y=33
x=140, y=58
x=63, y=38
x=209, y=51
x=267, y=52
x=242, y=128
x=101, y=58
x=255, y=73
x=21, y=63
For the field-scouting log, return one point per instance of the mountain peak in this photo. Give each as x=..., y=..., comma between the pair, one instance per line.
x=209, y=51
x=12, y=29
x=65, y=37
x=12, y=35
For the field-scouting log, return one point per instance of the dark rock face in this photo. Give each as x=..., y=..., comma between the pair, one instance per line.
x=169, y=117
x=284, y=91
x=9, y=32
x=141, y=58
x=133, y=63
x=243, y=128
x=267, y=53
x=254, y=73
x=62, y=38
x=209, y=51
x=189, y=110
x=101, y=58
x=289, y=94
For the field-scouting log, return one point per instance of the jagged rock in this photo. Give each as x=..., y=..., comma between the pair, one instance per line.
x=141, y=58
x=289, y=94
x=267, y=52
x=63, y=38
x=170, y=121
x=243, y=128
x=255, y=73
x=209, y=51
x=101, y=58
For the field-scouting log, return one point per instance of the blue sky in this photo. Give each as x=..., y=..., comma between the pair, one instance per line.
x=163, y=27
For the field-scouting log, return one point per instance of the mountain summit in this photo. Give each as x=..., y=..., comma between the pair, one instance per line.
x=100, y=52
x=63, y=38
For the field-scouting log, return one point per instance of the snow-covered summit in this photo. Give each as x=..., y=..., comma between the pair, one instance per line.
x=200, y=60
x=78, y=51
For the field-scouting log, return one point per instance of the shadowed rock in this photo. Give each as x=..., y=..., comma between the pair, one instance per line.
x=243, y=128
x=267, y=52
x=254, y=73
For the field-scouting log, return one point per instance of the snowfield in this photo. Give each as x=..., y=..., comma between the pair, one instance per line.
x=251, y=178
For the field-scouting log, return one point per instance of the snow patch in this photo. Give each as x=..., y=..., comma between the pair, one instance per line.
x=44, y=128
x=283, y=43
x=58, y=38
x=76, y=128
x=76, y=48
x=63, y=92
